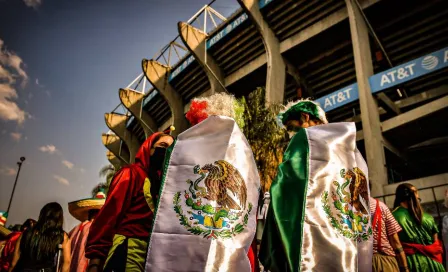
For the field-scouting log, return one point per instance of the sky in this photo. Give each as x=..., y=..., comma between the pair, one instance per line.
x=61, y=65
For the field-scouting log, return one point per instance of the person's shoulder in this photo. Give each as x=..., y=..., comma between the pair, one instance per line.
x=399, y=211
x=383, y=206
x=428, y=217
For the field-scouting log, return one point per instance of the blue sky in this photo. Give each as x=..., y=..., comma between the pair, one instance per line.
x=61, y=65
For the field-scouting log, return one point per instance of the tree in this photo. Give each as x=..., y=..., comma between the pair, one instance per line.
x=107, y=172
x=264, y=135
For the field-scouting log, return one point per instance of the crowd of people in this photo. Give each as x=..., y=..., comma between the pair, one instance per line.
x=190, y=204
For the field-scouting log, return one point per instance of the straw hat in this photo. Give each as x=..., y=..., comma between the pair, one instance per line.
x=80, y=209
x=4, y=232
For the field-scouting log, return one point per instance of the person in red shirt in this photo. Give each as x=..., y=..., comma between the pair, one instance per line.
x=8, y=251
x=118, y=238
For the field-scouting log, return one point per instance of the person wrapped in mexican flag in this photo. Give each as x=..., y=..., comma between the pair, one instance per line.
x=206, y=217
x=319, y=218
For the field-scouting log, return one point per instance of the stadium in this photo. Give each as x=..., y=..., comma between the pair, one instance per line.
x=382, y=64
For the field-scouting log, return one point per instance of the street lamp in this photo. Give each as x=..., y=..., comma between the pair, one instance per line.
x=22, y=159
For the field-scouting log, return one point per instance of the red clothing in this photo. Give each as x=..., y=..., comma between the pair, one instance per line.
x=252, y=255
x=8, y=251
x=125, y=211
x=434, y=251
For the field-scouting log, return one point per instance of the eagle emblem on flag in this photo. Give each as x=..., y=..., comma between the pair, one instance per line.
x=348, y=210
x=215, y=204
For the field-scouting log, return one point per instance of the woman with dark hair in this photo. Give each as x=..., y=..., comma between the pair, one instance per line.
x=419, y=235
x=118, y=238
x=37, y=248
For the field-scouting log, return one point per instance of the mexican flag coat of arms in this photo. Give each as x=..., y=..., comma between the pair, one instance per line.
x=206, y=217
x=319, y=216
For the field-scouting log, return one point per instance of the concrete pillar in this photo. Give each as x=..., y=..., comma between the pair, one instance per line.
x=117, y=123
x=369, y=109
x=195, y=40
x=157, y=75
x=114, y=160
x=113, y=143
x=276, y=70
x=133, y=101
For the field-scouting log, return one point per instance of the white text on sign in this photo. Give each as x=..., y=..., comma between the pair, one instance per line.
x=398, y=74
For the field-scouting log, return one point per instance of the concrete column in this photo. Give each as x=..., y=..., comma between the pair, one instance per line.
x=157, y=74
x=133, y=101
x=195, y=40
x=369, y=109
x=114, y=160
x=276, y=70
x=113, y=143
x=117, y=123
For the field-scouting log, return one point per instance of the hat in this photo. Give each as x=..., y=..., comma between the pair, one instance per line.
x=293, y=109
x=169, y=130
x=222, y=104
x=80, y=209
x=4, y=232
x=3, y=217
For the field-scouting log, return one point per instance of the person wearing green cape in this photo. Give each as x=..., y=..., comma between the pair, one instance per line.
x=318, y=218
x=419, y=236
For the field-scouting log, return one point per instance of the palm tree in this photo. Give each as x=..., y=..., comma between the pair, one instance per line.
x=108, y=172
x=265, y=137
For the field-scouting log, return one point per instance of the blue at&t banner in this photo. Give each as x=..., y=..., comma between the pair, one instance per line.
x=387, y=79
x=263, y=3
x=409, y=71
x=339, y=98
x=181, y=68
x=229, y=28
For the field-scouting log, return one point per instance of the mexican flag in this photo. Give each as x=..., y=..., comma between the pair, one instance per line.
x=206, y=217
x=319, y=218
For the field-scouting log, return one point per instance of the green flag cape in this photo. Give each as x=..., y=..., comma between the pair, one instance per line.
x=319, y=218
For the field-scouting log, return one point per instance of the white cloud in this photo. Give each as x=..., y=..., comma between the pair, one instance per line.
x=16, y=136
x=68, y=164
x=48, y=148
x=11, y=70
x=33, y=3
x=9, y=110
x=8, y=171
x=82, y=170
x=61, y=180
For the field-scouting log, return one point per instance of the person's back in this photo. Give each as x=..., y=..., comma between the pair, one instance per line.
x=385, y=239
x=419, y=236
x=34, y=254
x=37, y=247
x=414, y=233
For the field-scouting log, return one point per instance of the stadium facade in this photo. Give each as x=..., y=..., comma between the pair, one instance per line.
x=382, y=64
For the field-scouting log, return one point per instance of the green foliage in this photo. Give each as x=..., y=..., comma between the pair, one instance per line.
x=208, y=209
x=219, y=214
x=107, y=172
x=189, y=202
x=265, y=137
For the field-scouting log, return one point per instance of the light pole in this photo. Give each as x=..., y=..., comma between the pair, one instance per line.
x=22, y=159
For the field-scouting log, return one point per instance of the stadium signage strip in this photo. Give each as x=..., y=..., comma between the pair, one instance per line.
x=263, y=3
x=231, y=26
x=387, y=79
x=210, y=42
